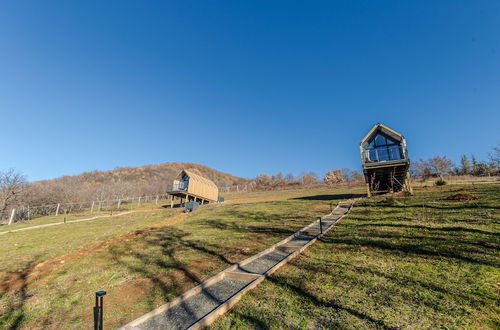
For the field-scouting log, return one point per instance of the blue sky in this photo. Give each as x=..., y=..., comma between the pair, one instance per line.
x=245, y=87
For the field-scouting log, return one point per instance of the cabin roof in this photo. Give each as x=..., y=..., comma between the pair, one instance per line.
x=384, y=129
x=198, y=177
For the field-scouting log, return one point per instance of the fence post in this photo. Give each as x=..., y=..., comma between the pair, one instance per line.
x=12, y=216
x=156, y=199
x=57, y=209
x=92, y=208
x=139, y=201
x=119, y=203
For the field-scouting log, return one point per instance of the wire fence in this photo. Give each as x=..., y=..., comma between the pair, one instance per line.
x=24, y=213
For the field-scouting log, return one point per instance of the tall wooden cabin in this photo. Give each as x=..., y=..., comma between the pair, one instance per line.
x=385, y=161
x=189, y=186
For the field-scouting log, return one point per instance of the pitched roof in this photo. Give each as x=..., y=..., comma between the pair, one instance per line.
x=198, y=177
x=384, y=129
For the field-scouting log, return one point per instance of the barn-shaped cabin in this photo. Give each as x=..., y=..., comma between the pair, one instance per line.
x=189, y=186
x=385, y=161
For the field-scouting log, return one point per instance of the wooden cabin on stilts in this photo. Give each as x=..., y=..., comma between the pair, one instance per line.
x=385, y=161
x=189, y=186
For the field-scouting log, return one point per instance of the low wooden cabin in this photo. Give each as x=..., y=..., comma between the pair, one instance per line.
x=385, y=161
x=189, y=186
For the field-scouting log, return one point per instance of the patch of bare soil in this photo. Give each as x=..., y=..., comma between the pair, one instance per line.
x=461, y=197
x=13, y=281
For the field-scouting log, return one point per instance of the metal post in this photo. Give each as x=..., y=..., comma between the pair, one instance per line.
x=99, y=310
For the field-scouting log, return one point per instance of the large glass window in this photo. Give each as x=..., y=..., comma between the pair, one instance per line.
x=382, y=148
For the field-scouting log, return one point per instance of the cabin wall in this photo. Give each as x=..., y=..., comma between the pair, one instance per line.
x=203, y=189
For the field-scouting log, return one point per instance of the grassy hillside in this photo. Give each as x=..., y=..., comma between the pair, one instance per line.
x=145, y=174
x=427, y=261
x=48, y=276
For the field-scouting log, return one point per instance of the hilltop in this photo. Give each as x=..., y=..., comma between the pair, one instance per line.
x=119, y=183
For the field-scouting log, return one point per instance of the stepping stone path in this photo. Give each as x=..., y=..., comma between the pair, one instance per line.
x=201, y=305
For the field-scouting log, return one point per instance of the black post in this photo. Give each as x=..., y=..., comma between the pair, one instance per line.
x=99, y=310
x=320, y=225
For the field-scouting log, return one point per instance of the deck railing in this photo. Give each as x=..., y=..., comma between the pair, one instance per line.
x=376, y=155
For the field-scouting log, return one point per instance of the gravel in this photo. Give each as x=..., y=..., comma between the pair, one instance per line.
x=184, y=314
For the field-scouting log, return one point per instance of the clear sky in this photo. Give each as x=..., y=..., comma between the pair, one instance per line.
x=245, y=87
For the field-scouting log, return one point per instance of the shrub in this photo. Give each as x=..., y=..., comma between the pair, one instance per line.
x=440, y=182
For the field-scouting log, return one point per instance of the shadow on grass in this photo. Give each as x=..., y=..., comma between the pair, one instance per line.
x=330, y=304
x=442, y=229
x=14, y=314
x=329, y=197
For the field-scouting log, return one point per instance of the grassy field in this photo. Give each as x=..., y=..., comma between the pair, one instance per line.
x=426, y=261
x=420, y=262
x=48, y=275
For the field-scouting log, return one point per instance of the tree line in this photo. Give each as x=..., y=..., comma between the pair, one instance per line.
x=440, y=166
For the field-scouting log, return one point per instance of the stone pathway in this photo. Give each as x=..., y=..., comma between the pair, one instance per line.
x=201, y=305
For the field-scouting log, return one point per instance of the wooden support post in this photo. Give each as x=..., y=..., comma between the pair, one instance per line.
x=12, y=214
x=368, y=191
x=57, y=209
x=171, y=203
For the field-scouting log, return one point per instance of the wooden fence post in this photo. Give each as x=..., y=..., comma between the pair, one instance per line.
x=11, y=220
x=57, y=209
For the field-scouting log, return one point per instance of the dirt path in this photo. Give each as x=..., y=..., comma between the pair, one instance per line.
x=14, y=281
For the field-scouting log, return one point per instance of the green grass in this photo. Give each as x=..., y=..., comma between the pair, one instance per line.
x=420, y=262
x=84, y=214
x=395, y=262
x=145, y=270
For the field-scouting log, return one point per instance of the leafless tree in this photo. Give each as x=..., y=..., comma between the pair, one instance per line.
x=12, y=185
x=440, y=165
x=334, y=176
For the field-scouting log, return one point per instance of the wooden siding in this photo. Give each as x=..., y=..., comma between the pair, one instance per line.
x=200, y=186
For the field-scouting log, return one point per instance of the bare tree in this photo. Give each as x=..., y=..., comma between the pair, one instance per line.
x=495, y=157
x=309, y=178
x=12, y=186
x=440, y=165
x=334, y=176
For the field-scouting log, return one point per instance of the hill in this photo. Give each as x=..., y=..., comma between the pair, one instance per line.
x=118, y=183
x=153, y=173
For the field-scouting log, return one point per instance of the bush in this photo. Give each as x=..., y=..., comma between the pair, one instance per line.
x=440, y=182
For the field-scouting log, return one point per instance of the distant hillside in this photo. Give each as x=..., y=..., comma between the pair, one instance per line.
x=158, y=173
x=119, y=183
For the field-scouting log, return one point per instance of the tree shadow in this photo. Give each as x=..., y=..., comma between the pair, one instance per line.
x=328, y=197
x=443, y=229
x=330, y=304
